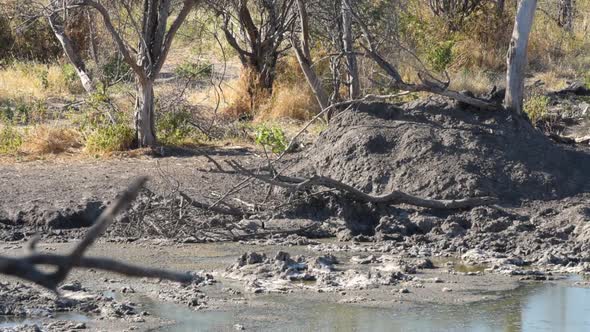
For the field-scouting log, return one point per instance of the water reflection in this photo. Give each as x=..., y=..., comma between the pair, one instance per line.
x=532, y=308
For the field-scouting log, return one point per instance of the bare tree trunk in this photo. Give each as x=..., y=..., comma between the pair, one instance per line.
x=144, y=114
x=92, y=36
x=500, y=7
x=304, y=58
x=566, y=14
x=351, y=61
x=517, y=55
x=71, y=53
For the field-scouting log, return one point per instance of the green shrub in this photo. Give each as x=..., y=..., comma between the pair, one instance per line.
x=22, y=112
x=441, y=55
x=587, y=80
x=103, y=128
x=43, y=77
x=95, y=113
x=272, y=136
x=190, y=70
x=115, y=69
x=10, y=140
x=110, y=138
x=175, y=127
x=71, y=80
x=536, y=107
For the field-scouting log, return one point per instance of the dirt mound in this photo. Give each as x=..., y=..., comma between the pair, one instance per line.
x=435, y=148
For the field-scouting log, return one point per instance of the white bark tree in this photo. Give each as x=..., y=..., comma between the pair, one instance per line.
x=154, y=35
x=56, y=22
x=354, y=86
x=517, y=55
x=303, y=54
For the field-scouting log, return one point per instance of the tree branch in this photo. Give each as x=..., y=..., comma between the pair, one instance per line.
x=393, y=198
x=27, y=267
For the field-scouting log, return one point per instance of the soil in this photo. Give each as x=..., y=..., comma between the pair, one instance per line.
x=382, y=255
x=436, y=149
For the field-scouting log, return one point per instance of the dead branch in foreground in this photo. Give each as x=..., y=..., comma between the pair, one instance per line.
x=294, y=184
x=27, y=267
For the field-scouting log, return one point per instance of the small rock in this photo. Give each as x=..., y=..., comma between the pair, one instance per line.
x=424, y=264
x=72, y=287
x=128, y=290
x=447, y=290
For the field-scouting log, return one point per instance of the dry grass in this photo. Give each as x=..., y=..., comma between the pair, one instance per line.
x=478, y=82
x=291, y=96
x=243, y=98
x=295, y=102
x=553, y=80
x=31, y=80
x=51, y=140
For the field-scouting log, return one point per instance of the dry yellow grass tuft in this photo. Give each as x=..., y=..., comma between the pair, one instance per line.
x=50, y=140
x=475, y=81
x=294, y=101
x=553, y=80
x=32, y=80
x=242, y=98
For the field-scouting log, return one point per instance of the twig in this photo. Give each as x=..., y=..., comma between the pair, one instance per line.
x=26, y=267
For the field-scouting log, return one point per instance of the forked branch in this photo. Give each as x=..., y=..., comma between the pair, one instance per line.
x=27, y=267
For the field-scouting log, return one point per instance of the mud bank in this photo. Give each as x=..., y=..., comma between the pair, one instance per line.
x=95, y=300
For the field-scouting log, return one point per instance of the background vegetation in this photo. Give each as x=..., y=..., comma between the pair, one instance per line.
x=206, y=95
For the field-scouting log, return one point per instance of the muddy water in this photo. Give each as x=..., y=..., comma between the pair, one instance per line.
x=542, y=307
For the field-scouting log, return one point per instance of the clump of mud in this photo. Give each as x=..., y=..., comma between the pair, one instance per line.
x=434, y=148
x=283, y=273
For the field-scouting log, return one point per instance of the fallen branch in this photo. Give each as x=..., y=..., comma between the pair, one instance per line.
x=392, y=198
x=229, y=211
x=27, y=267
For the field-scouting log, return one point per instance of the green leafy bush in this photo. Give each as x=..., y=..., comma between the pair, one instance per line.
x=536, y=107
x=271, y=136
x=190, y=70
x=103, y=128
x=115, y=69
x=22, y=112
x=441, y=55
x=10, y=140
x=71, y=80
x=110, y=138
x=175, y=127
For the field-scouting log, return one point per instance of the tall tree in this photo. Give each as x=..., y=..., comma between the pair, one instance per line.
x=517, y=55
x=354, y=86
x=154, y=34
x=301, y=47
x=57, y=21
x=566, y=11
x=256, y=30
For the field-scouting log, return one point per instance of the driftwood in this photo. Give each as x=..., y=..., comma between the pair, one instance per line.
x=295, y=184
x=27, y=267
